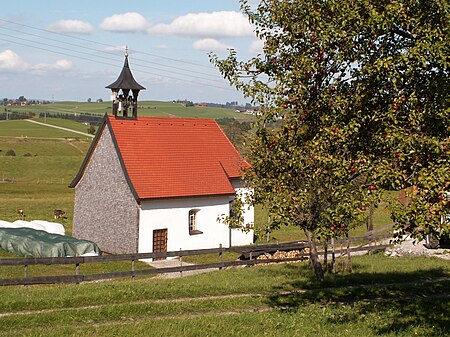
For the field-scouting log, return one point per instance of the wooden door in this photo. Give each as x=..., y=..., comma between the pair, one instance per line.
x=159, y=242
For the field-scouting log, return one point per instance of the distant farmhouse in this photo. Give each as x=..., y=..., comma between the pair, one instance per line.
x=157, y=184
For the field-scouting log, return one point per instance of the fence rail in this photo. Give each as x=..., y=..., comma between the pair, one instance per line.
x=77, y=261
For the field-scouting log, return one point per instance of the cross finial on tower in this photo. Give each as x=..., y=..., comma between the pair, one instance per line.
x=126, y=51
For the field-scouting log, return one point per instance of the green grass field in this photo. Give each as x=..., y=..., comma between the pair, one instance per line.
x=382, y=297
x=24, y=129
x=36, y=179
x=146, y=108
x=73, y=125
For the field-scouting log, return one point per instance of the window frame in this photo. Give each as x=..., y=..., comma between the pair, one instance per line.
x=193, y=222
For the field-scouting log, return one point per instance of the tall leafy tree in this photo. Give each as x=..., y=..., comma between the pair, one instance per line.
x=354, y=100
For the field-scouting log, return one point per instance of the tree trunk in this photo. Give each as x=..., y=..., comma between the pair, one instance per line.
x=370, y=218
x=314, y=256
x=349, y=257
x=333, y=256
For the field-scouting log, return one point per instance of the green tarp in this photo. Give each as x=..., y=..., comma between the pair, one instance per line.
x=37, y=243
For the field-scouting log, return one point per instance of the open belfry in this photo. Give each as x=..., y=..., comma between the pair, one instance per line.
x=125, y=91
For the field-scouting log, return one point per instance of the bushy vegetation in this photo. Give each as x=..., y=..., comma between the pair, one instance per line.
x=10, y=153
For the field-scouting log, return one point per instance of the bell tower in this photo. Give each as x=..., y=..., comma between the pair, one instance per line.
x=125, y=91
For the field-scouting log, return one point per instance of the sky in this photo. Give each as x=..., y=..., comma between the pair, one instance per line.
x=70, y=50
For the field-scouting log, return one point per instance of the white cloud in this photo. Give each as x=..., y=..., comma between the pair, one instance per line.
x=116, y=49
x=210, y=45
x=125, y=23
x=60, y=66
x=10, y=61
x=256, y=46
x=63, y=65
x=71, y=26
x=215, y=24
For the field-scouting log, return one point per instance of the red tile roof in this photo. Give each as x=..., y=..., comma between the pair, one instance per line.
x=176, y=157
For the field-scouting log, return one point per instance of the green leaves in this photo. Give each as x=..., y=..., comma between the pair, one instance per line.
x=353, y=95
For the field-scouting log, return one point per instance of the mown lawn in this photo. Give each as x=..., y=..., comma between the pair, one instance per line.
x=24, y=129
x=65, y=123
x=382, y=297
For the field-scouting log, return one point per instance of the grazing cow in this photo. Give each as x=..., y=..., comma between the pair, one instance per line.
x=59, y=213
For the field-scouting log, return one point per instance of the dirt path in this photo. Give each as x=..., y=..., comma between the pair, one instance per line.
x=79, y=149
x=60, y=127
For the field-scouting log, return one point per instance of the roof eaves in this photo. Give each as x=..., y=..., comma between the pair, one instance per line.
x=188, y=196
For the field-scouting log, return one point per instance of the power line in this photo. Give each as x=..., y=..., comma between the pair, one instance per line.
x=106, y=52
x=101, y=57
x=115, y=65
x=103, y=44
x=196, y=76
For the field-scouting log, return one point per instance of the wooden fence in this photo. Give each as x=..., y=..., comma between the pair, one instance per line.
x=371, y=242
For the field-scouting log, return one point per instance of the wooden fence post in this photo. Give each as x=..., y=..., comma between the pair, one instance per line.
x=349, y=258
x=78, y=277
x=181, y=264
x=220, y=257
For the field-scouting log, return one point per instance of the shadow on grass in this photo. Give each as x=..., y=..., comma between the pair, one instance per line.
x=393, y=302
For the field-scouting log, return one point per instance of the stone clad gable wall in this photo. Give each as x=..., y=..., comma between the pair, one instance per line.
x=105, y=209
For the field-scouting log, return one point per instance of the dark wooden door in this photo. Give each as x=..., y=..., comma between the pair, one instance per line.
x=159, y=241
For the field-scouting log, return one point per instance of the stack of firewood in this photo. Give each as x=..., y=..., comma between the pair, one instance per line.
x=285, y=255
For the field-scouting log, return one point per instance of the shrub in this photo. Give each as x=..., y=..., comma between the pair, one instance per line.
x=10, y=152
x=91, y=130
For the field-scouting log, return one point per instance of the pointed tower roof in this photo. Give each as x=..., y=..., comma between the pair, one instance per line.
x=126, y=79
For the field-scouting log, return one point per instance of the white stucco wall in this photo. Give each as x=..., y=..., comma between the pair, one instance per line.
x=239, y=237
x=173, y=215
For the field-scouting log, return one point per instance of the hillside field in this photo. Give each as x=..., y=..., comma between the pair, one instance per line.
x=146, y=108
x=36, y=179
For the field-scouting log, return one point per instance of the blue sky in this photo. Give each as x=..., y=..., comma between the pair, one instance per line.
x=71, y=50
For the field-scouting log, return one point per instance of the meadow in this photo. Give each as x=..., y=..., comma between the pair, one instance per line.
x=146, y=108
x=381, y=297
